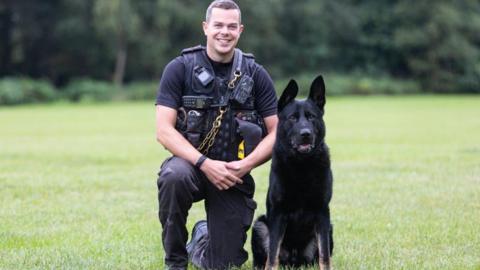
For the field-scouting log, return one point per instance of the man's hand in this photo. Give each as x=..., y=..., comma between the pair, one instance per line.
x=239, y=168
x=218, y=173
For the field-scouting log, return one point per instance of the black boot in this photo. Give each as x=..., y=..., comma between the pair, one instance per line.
x=198, y=232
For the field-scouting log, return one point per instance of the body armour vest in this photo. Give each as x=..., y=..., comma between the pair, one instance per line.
x=206, y=94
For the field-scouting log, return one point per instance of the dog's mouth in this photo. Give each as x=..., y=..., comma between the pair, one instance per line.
x=303, y=147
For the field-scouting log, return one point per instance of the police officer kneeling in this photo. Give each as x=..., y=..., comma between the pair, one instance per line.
x=216, y=113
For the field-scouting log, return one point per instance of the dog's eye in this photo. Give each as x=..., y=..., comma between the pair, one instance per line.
x=292, y=117
x=310, y=116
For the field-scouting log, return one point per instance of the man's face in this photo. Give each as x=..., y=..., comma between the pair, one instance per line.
x=222, y=31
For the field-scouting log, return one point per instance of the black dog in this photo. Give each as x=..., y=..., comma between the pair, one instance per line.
x=296, y=231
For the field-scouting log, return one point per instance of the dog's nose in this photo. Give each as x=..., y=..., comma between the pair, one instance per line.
x=305, y=132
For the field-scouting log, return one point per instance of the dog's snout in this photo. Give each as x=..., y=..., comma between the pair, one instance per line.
x=305, y=132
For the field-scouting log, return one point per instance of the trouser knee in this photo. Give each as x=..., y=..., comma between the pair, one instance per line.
x=175, y=176
x=177, y=188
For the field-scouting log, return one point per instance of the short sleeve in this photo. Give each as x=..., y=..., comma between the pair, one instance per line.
x=171, y=84
x=265, y=95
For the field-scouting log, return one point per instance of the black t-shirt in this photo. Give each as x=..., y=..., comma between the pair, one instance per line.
x=173, y=79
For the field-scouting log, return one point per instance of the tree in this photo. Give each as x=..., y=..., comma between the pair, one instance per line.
x=119, y=19
x=438, y=42
x=6, y=27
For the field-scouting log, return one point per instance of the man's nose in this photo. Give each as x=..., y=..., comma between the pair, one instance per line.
x=224, y=30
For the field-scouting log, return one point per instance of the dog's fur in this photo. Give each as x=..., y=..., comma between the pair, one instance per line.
x=296, y=231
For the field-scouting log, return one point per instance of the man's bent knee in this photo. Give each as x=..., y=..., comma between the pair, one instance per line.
x=175, y=173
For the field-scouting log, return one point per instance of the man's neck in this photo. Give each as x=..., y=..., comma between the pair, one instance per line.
x=227, y=58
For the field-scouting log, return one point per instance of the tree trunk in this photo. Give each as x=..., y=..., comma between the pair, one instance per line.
x=121, y=63
x=6, y=26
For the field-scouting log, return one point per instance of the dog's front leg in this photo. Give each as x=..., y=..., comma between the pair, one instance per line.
x=323, y=242
x=276, y=227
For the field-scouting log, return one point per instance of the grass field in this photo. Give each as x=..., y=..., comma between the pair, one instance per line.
x=78, y=184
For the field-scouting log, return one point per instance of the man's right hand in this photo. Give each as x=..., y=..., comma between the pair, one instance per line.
x=217, y=172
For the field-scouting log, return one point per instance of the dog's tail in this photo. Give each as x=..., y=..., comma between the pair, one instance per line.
x=260, y=242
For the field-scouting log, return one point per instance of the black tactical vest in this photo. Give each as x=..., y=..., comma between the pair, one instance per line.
x=205, y=93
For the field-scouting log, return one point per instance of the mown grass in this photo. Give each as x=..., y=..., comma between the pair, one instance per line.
x=78, y=184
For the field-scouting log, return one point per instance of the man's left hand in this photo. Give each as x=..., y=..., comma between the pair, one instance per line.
x=239, y=168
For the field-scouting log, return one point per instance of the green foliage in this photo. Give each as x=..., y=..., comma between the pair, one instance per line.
x=24, y=90
x=437, y=41
x=434, y=43
x=87, y=90
x=91, y=90
x=369, y=85
x=354, y=84
x=140, y=91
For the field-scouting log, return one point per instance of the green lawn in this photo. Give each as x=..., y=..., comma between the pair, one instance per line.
x=78, y=184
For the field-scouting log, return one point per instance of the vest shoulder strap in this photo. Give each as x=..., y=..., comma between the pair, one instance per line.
x=192, y=49
x=249, y=55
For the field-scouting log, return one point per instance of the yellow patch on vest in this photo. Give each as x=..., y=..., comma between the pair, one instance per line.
x=241, y=150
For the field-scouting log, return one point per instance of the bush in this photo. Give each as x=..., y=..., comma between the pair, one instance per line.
x=362, y=85
x=353, y=84
x=91, y=90
x=23, y=90
x=141, y=91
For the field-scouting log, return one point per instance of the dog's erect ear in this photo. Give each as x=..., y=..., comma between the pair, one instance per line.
x=288, y=95
x=317, y=91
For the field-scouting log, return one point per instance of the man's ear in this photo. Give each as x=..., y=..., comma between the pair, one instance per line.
x=317, y=92
x=288, y=95
x=205, y=27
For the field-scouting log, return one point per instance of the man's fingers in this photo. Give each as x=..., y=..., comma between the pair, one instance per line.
x=221, y=186
x=226, y=178
x=235, y=179
x=232, y=180
x=229, y=182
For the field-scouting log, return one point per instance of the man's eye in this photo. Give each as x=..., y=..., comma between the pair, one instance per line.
x=232, y=27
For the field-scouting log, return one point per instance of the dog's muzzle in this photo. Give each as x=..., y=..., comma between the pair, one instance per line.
x=304, y=142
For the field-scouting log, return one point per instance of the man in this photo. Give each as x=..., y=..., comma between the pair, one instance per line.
x=213, y=105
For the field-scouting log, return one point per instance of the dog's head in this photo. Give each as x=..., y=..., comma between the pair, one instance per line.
x=301, y=127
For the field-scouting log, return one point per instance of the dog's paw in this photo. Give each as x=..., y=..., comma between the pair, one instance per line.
x=326, y=266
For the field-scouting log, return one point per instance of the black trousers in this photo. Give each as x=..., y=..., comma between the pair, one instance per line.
x=229, y=216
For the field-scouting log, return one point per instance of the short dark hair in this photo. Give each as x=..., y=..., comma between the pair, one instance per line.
x=223, y=4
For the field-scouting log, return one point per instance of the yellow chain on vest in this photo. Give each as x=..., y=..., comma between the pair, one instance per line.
x=210, y=138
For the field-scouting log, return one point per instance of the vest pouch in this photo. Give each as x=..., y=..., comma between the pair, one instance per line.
x=195, y=126
x=203, y=80
x=243, y=90
x=181, y=123
x=253, y=117
x=249, y=131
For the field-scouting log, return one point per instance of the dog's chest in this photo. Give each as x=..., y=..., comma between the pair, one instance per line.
x=294, y=200
x=304, y=189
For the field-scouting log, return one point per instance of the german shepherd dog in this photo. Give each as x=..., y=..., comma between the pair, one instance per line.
x=296, y=231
